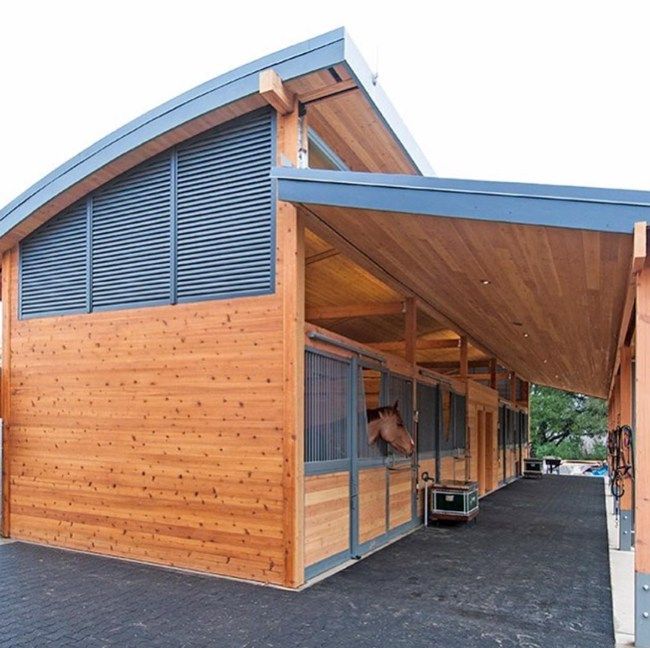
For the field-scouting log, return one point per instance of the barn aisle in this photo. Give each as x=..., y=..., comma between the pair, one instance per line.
x=533, y=573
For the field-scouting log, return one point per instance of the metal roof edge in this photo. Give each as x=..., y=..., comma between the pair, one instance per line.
x=608, y=210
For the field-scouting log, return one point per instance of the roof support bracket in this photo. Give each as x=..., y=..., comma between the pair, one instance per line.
x=273, y=90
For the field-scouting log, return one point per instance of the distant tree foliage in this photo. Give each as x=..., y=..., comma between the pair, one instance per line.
x=567, y=425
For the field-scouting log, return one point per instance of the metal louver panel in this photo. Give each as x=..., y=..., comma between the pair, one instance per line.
x=53, y=264
x=427, y=406
x=193, y=223
x=131, y=238
x=224, y=211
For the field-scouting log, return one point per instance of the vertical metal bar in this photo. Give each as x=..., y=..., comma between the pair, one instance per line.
x=439, y=422
x=353, y=389
x=89, y=254
x=173, y=227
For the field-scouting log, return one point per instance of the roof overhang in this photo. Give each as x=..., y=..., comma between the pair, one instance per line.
x=604, y=210
x=557, y=260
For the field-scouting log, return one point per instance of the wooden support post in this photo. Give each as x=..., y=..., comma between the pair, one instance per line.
x=291, y=284
x=642, y=467
x=410, y=329
x=8, y=305
x=493, y=373
x=625, y=417
x=513, y=387
x=464, y=366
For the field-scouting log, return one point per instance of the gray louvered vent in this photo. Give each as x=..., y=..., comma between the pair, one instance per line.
x=53, y=266
x=131, y=238
x=193, y=223
x=224, y=212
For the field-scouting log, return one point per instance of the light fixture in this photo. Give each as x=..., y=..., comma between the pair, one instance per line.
x=525, y=334
x=485, y=282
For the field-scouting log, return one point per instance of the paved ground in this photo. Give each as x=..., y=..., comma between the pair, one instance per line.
x=533, y=573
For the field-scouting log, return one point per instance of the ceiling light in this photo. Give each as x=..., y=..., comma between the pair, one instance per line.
x=525, y=334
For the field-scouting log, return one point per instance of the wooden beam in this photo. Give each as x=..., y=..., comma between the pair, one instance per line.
x=640, y=246
x=421, y=345
x=410, y=329
x=327, y=91
x=453, y=364
x=315, y=258
x=273, y=90
x=464, y=367
x=501, y=375
x=493, y=373
x=354, y=310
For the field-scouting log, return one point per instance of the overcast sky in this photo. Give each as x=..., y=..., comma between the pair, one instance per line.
x=553, y=92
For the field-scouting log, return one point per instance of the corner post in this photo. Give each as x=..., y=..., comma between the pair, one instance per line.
x=291, y=284
x=9, y=261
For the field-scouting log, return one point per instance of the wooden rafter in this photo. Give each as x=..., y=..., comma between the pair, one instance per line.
x=328, y=91
x=321, y=256
x=354, y=310
x=421, y=345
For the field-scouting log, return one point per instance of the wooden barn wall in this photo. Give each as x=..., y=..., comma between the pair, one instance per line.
x=168, y=434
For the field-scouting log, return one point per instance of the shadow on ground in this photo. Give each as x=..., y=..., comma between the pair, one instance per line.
x=534, y=572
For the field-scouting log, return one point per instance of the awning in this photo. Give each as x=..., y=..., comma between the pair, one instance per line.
x=536, y=275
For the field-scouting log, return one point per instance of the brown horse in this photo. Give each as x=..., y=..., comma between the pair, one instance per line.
x=386, y=423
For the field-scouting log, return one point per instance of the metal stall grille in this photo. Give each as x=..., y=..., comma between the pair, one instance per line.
x=327, y=411
x=400, y=390
x=459, y=417
x=427, y=399
x=368, y=454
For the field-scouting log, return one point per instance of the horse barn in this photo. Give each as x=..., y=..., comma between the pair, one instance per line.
x=199, y=310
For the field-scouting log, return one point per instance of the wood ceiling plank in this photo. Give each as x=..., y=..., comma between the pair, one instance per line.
x=565, y=287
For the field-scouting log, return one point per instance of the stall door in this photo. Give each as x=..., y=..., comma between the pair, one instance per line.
x=329, y=425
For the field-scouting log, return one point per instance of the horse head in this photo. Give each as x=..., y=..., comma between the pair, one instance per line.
x=386, y=423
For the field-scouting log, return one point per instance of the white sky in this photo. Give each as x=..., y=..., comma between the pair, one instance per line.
x=535, y=91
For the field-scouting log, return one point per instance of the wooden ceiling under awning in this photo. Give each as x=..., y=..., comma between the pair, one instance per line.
x=551, y=309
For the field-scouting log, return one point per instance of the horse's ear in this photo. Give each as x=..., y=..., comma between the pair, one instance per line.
x=395, y=405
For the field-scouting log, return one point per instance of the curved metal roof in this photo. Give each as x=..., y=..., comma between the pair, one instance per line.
x=322, y=52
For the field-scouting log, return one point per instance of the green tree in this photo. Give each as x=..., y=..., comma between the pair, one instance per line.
x=560, y=422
